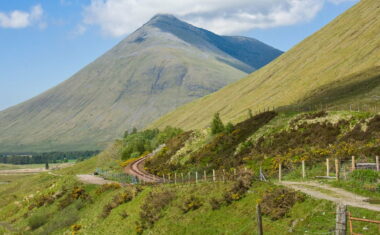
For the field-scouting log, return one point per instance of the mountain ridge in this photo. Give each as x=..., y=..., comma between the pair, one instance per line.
x=143, y=77
x=347, y=45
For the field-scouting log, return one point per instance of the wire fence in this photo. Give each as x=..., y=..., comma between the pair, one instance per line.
x=326, y=107
x=118, y=177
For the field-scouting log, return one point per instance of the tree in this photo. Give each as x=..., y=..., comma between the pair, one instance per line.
x=217, y=124
x=229, y=127
x=47, y=165
x=126, y=133
x=134, y=130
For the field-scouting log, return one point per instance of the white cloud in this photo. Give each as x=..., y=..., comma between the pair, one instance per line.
x=21, y=19
x=341, y=1
x=120, y=17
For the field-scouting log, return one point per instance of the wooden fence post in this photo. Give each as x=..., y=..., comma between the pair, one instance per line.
x=169, y=178
x=163, y=177
x=223, y=175
x=279, y=172
x=175, y=178
x=353, y=164
x=181, y=177
x=196, y=177
x=213, y=175
x=377, y=163
x=337, y=169
x=205, y=176
x=259, y=220
x=235, y=174
x=189, y=174
x=303, y=169
x=327, y=167
x=344, y=173
x=341, y=219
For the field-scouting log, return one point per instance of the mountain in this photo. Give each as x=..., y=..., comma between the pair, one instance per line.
x=338, y=65
x=159, y=67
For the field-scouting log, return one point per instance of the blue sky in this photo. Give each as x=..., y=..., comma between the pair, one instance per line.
x=44, y=42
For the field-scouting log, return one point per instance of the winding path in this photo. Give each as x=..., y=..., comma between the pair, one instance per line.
x=136, y=168
x=322, y=191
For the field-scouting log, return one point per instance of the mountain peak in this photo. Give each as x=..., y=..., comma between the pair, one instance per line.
x=163, y=18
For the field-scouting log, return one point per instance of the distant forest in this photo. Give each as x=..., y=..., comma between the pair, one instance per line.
x=51, y=157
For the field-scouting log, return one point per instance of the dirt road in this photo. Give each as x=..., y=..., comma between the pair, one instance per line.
x=322, y=191
x=93, y=179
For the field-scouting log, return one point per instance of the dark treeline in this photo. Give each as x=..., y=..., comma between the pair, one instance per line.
x=51, y=157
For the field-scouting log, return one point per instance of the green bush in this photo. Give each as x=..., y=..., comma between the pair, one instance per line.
x=62, y=219
x=370, y=176
x=37, y=220
x=278, y=202
x=152, y=208
x=191, y=203
x=137, y=143
x=215, y=203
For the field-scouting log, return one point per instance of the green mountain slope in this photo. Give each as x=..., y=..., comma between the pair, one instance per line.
x=57, y=203
x=159, y=67
x=335, y=55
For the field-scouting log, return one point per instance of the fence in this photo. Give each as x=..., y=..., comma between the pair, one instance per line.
x=119, y=177
x=201, y=176
x=326, y=107
x=335, y=168
x=342, y=216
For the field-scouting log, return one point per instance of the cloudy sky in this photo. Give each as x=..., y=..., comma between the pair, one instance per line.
x=44, y=42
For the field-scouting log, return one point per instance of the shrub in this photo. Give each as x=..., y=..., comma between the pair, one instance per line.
x=37, y=220
x=75, y=228
x=76, y=193
x=106, y=187
x=152, y=207
x=215, y=203
x=124, y=214
x=370, y=176
x=139, y=228
x=192, y=203
x=217, y=152
x=61, y=219
x=277, y=203
x=119, y=199
x=42, y=200
x=240, y=187
x=65, y=202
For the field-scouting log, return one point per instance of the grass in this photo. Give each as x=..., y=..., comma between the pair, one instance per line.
x=359, y=188
x=346, y=47
x=11, y=178
x=309, y=216
x=27, y=166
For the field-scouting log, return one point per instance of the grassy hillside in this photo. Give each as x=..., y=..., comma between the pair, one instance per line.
x=58, y=204
x=332, y=58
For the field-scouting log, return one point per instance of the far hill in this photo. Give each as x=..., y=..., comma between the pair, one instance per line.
x=159, y=67
x=338, y=65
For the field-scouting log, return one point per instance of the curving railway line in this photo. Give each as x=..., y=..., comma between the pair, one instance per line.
x=136, y=168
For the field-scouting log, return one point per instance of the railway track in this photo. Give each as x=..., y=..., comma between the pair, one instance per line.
x=136, y=168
